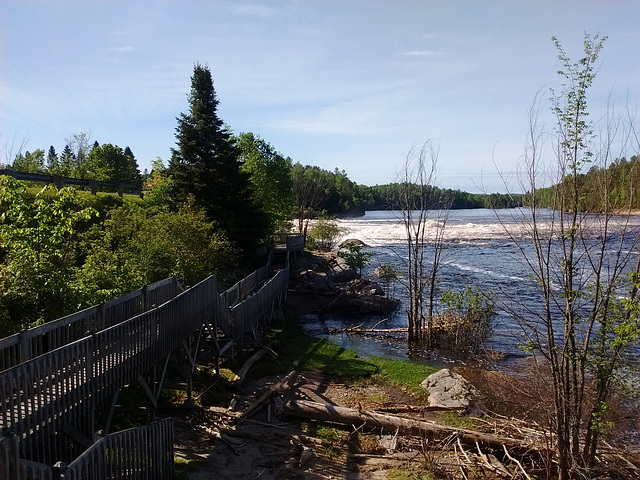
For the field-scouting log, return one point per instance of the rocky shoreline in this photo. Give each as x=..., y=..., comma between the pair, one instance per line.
x=324, y=283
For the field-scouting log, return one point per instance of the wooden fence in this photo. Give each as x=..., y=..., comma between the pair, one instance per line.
x=28, y=344
x=140, y=453
x=49, y=400
x=293, y=241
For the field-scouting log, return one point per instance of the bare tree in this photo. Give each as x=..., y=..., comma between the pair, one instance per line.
x=12, y=149
x=424, y=219
x=582, y=264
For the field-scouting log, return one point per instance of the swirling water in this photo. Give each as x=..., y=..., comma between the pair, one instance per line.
x=484, y=248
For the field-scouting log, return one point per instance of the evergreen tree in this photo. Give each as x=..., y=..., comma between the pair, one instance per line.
x=52, y=161
x=132, y=169
x=67, y=162
x=206, y=163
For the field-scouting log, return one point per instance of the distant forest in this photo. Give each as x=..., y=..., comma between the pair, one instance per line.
x=621, y=180
x=333, y=193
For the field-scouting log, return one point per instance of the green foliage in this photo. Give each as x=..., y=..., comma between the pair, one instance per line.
x=157, y=188
x=325, y=232
x=613, y=186
x=389, y=275
x=206, y=164
x=134, y=248
x=40, y=252
x=355, y=257
x=110, y=163
x=466, y=322
x=30, y=162
x=270, y=176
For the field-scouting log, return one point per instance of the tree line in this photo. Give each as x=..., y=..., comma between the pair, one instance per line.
x=78, y=159
x=601, y=188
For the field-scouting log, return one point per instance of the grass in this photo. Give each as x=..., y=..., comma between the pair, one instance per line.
x=403, y=373
x=455, y=420
x=183, y=466
x=409, y=474
x=298, y=351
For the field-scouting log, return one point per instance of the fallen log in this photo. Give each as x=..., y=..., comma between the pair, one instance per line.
x=391, y=408
x=279, y=387
x=367, y=330
x=350, y=416
x=237, y=382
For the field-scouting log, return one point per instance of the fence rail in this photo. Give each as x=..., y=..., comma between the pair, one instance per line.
x=23, y=346
x=111, y=456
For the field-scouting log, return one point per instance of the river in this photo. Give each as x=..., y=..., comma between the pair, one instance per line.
x=484, y=248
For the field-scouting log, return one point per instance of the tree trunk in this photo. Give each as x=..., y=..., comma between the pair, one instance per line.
x=392, y=423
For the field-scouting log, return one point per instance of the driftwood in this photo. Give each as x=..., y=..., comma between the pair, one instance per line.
x=368, y=330
x=279, y=387
x=350, y=416
x=242, y=374
x=392, y=408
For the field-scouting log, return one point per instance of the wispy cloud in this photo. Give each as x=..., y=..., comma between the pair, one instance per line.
x=424, y=54
x=126, y=48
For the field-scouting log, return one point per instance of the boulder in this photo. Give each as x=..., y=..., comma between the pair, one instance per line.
x=352, y=241
x=341, y=272
x=450, y=390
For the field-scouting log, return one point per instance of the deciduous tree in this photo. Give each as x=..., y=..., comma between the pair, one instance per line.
x=270, y=175
x=588, y=316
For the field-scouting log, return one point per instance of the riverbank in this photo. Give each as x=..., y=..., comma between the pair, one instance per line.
x=218, y=439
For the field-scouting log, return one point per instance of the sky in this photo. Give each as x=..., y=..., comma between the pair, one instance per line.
x=352, y=84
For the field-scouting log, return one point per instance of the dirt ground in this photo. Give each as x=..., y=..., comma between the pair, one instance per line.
x=219, y=444
x=267, y=447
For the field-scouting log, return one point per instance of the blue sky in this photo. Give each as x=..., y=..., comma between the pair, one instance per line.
x=347, y=84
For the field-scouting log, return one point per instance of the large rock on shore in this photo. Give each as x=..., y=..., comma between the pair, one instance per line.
x=449, y=390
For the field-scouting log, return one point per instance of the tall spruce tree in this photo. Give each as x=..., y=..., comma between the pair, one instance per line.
x=206, y=163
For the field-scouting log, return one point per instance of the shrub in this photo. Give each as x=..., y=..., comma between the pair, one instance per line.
x=466, y=321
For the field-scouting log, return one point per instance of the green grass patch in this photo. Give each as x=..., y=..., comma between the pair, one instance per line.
x=298, y=351
x=455, y=420
x=377, y=398
x=183, y=466
x=326, y=432
x=403, y=373
x=409, y=474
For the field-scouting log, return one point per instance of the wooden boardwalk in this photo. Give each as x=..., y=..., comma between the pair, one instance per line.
x=52, y=381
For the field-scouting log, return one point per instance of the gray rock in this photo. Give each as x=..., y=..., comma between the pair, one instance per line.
x=450, y=390
x=352, y=241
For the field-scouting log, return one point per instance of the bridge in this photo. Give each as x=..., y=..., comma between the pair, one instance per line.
x=55, y=377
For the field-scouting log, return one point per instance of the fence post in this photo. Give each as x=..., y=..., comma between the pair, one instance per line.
x=8, y=455
x=145, y=293
x=25, y=347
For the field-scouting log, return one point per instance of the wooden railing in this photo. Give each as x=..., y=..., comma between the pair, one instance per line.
x=28, y=344
x=52, y=397
x=109, y=457
x=63, y=387
x=293, y=241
